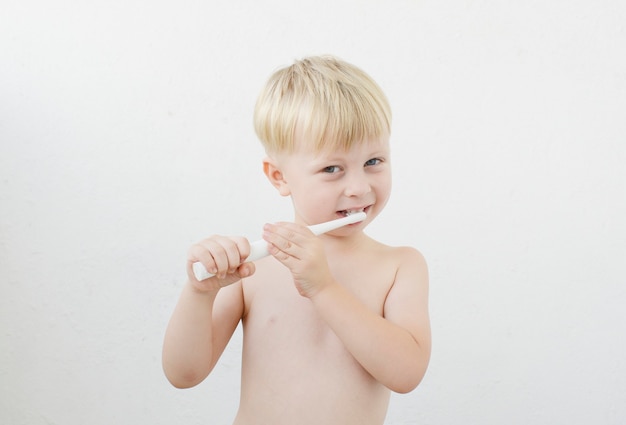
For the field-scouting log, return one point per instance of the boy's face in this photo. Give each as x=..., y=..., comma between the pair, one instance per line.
x=325, y=185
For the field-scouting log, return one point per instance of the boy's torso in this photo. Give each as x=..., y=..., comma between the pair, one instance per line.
x=295, y=369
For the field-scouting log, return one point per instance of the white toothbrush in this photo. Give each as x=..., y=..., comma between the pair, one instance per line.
x=258, y=249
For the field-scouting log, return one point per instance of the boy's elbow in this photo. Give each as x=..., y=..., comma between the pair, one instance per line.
x=405, y=386
x=182, y=385
x=409, y=380
x=183, y=379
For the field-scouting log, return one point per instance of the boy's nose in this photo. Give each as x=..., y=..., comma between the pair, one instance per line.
x=357, y=185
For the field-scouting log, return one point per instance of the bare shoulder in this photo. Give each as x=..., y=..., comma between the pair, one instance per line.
x=409, y=255
x=406, y=259
x=411, y=266
x=408, y=295
x=412, y=261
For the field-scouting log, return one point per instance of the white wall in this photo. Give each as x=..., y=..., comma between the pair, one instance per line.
x=125, y=135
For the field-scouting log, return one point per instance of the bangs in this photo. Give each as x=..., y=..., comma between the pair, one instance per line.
x=341, y=118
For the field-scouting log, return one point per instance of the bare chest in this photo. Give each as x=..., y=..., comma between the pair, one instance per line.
x=275, y=309
x=293, y=360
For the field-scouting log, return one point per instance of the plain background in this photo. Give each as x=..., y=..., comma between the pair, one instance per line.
x=126, y=135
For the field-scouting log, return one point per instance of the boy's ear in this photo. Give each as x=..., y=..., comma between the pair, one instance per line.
x=275, y=176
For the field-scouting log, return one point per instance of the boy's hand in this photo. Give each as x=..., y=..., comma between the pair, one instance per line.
x=302, y=252
x=222, y=256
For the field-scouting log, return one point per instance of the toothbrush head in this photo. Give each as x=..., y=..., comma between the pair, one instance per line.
x=355, y=216
x=318, y=229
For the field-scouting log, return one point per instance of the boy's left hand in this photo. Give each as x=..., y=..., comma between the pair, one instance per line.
x=302, y=252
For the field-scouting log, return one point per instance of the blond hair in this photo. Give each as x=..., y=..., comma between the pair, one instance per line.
x=332, y=103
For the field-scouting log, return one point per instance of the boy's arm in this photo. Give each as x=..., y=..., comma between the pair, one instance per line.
x=207, y=312
x=394, y=349
x=198, y=332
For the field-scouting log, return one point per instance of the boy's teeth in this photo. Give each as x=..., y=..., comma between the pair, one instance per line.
x=350, y=212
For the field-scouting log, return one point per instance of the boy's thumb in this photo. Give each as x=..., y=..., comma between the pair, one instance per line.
x=246, y=269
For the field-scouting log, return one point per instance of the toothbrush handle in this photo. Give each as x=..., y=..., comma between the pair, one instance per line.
x=258, y=249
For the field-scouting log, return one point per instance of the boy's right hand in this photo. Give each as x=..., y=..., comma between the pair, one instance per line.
x=222, y=256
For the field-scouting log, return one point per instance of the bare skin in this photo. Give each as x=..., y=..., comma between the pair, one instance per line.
x=331, y=324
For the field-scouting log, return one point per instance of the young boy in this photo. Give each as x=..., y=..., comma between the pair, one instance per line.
x=331, y=323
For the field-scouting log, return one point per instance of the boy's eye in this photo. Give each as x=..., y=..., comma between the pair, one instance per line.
x=331, y=169
x=373, y=161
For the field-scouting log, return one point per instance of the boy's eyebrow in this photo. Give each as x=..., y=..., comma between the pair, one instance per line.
x=380, y=152
x=325, y=160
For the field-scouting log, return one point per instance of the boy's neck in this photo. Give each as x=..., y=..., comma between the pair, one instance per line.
x=342, y=244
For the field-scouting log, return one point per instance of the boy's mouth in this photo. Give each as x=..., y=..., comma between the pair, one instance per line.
x=346, y=213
